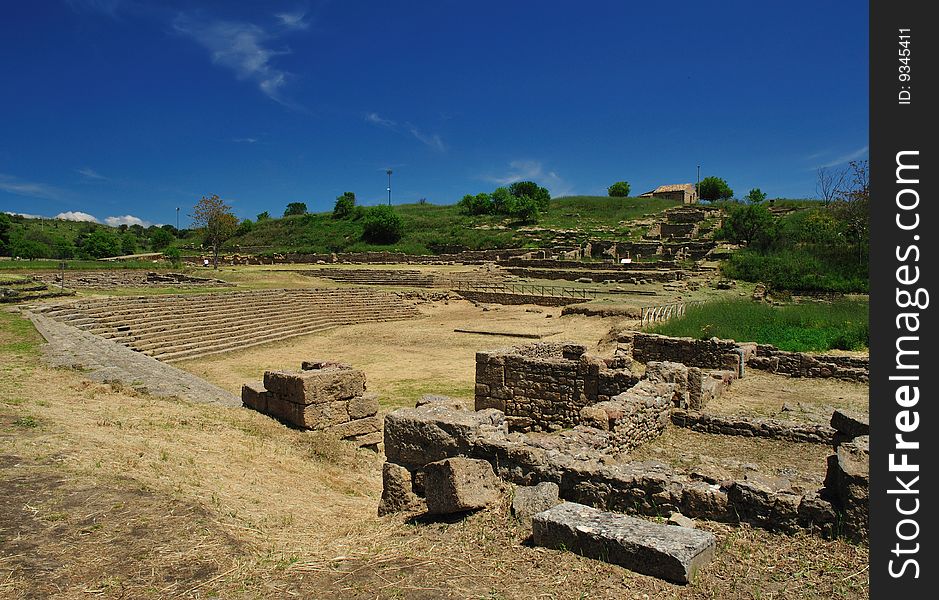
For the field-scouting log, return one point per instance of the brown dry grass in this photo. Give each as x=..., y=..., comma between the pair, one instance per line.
x=762, y=394
x=405, y=359
x=109, y=493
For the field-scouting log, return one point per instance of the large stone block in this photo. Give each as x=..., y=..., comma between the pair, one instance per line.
x=253, y=395
x=460, y=484
x=668, y=552
x=417, y=436
x=848, y=481
x=356, y=428
x=530, y=500
x=363, y=406
x=850, y=424
x=315, y=386
x=397, y=494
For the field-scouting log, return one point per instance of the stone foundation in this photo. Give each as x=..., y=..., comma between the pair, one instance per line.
x=323, y=396
x=544, y=386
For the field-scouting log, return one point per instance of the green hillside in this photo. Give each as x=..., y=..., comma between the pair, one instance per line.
x=434, y=229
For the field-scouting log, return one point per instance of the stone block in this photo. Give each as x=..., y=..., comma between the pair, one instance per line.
x=363, y=406
x=460, y=484
x=417, y=436
x=441, y=400
x=848, y=482
x=314, y=386
x=850, y=424
x=253, y=395
x=530, y=500
x=668, y=552
x=397, y=494
x=356, y=428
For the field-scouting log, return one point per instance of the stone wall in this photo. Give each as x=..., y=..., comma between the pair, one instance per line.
x=575, y=461
x=589, y=266
x=636, y=416
x=619, y=276
x=678, y=230
x=512, y=299
x=753, y=427
x=543, y=386
x=798, y=364
x=713, y=353
x=323, y=396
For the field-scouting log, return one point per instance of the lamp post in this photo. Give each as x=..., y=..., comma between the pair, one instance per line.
x=389, y=186
x=697, y=185
x=177, y=221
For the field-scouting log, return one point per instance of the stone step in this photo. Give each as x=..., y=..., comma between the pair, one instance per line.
x=668, y=552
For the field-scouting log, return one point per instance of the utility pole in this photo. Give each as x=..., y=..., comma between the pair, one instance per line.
x=389, y=186
x=697, y=186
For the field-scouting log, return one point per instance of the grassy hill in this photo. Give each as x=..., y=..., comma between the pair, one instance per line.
x=431, y=229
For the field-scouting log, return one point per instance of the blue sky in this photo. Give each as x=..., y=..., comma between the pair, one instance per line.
x=130, y=108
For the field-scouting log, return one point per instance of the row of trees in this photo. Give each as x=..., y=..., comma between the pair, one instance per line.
x=709, y=188
x=523, y=201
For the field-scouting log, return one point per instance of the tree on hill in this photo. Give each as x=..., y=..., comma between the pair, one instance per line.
x=344, y=206
x=852, y=208
x=264, y=216
x=128, y=244
x=750, y=225
x=382, y=225
x=160, y=239
x=755, y=196
x=217, y=222
x=714, y=188
x=100, y=243
x=295, y=208
x=480, y=204
x=540, y=195
x=620, y=189
x=30, y=249
x=6, y=226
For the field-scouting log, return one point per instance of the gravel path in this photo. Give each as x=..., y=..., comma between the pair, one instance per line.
x=105, y=360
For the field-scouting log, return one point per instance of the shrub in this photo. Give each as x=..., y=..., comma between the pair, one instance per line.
x=526, y=210
x=714, y=188
x=31, y=249
x=749, y=224
x=101, y=243
x=620, y=189
x=173, y=255
x=160, y=239
x=295, y=208
x=480, y=204
x=755, y=196
x=382, y=225
x=344, y=206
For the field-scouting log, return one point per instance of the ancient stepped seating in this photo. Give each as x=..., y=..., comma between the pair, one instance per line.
x=177, y=327
x=406, y=277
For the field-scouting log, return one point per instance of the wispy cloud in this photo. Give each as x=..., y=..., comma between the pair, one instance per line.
x=24, y=215
x=243, y=48
x=376, y=119
x=293, y=20
x=126, y=220
x=91, y=174
x=432, y=141
x=245, y=140
x=533, y=170
x=76, y=215
x=14, y=185
x=846, y=158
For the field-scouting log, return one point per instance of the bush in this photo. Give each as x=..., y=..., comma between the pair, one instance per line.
x=31, y=249
x=160, y=239
x=755, y=196
x=480, y=204
x=295, y=208
x=344, y=206
x=382, y=225
x=750, y=225
x=620, y=189
x=101, y=243
x=526, y=210
x=714, y=188
x=173, y=255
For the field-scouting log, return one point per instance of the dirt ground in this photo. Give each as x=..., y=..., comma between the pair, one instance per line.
x=105, y=492
x=404, y=359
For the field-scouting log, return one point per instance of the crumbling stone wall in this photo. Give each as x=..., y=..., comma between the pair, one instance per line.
x=753, y=427
x=636, y=416
x=798, y=364
x=577, y=461
x=322, y=396
x=713, y=353
x=543, y=386
x=512, y=299
x=643, y=276
x=678, y=230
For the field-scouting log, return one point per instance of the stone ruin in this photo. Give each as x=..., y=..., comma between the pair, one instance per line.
x=576, y=485
x=322, y=396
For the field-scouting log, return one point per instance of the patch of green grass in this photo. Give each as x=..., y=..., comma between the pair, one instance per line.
x=18, y=337
x=27, y=422
x=806, y=327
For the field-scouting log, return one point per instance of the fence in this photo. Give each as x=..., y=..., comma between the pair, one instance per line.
x=664, y=312
x=527, y=289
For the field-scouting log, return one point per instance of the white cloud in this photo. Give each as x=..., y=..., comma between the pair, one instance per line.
x=375, y=119
x=242, y=47
x=126, y=220
x=14, y=185
x=533, y=170
x=293, y=20
x=433, y=141
x=245, y=140
x=857, y=154
x=75, y=215
x=24, y=215
x=91, y=174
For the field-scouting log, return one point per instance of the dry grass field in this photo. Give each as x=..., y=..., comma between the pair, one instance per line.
x=109, y=493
